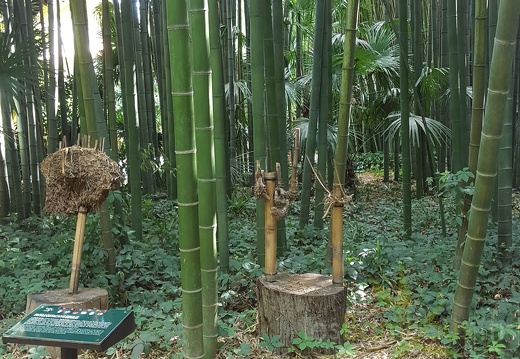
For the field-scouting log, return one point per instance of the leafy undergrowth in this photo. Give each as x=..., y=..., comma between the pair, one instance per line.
x=399, y=291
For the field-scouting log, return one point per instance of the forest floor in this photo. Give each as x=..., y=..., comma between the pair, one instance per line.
x=399, y=299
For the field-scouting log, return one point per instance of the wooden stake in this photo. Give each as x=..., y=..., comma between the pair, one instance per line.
x=294, y=171
x=337, y=243
x=78, y=249
x=270, y=225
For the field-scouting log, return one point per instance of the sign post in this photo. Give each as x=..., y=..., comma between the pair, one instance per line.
x=72, y=329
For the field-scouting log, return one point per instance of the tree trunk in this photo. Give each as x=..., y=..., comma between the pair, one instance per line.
x=289, y=304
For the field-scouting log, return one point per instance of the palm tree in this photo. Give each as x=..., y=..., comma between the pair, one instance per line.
x=501, y=64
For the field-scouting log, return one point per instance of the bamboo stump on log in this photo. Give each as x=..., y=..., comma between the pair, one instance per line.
x=85, y=298
x=293, y=303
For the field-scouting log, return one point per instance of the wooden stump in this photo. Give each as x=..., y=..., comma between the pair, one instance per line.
x=293, y=303
x=86, y=298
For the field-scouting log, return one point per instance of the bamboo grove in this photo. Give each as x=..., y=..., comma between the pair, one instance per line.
x=189, y=94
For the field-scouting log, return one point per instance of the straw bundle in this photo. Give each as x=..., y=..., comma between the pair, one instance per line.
x=78, y=177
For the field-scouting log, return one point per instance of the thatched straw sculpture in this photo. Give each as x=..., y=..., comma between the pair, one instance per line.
x=78, y=177
x=78, y=180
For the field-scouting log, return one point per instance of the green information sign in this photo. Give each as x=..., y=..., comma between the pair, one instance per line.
x=53, y=325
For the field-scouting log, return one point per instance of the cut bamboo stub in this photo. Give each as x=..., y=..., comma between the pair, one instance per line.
x=78, y=249
x=337, y=243
x=270, y=225
x=294, y=171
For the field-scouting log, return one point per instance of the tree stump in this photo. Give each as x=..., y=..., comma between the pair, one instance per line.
x=293, y=303
x=86, y=298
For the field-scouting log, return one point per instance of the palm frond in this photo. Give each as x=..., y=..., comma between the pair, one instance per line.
x=14, y=71
x=437, y=132
x=433, y=81
x=240, y=90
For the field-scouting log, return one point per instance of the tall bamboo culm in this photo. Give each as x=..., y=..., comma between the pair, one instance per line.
x=258, y=103
x=500, y=71
x=185, y=153
x=203, y=113
x=219, y=113
x=310, y=145
x=340, y=158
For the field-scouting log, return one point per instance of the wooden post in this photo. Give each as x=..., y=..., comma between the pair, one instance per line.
x=69, y=353
x=78, y=249
x=270, y=225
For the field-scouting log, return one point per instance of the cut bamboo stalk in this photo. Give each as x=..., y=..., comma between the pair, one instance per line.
x=279, y=180
x=270, y=225
x=337, y=243
x=294, y=171
x=78, y=249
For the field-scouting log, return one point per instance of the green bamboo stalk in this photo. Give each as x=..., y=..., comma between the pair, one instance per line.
x=108, y=62
x=52, y=125
x=142, y=111
x=505, y=181
x=96, y=125
x=32, y=95
x=182, y=92
x=405, y=115
x=500, y=71
x=5, y=201
x=456, y=142
x=310, y=146
x=341, y=155
x=219, y=113
x=203, y=112
x=477, y=113
x=279, y=69
x=258, y=103
x=324, y=115
x=231, y=81
x=168, y=127
x=13, y=158
x=272, y=116
x=134, y=158
x=279, y=74
x=65, y=127
x=418, y=58
x=148, y=90
x=274, y=152
x=345, y=102
x=462, y=27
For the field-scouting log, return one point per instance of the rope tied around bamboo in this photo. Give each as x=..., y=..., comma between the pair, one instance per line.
x=335, y=198
x=78, y=177
x=281, y=198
